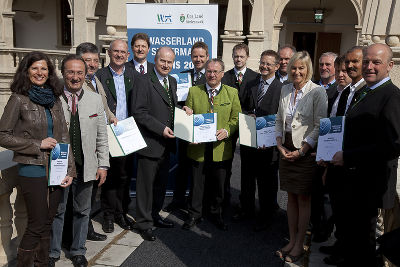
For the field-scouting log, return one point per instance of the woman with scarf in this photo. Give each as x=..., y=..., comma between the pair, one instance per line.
x=31, y=126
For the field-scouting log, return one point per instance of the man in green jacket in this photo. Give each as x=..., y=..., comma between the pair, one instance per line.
x=209, y=160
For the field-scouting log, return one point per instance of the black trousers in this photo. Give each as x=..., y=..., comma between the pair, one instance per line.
x=93, y=200
x=115, y=196
x=151, y=184
x=257, y=167
x=183, y=175
x=209, y=177
x=41, y=211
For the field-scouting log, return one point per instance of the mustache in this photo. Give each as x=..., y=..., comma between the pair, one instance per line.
x=351, y=69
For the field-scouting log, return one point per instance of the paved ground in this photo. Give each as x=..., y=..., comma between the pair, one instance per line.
x=203, y=246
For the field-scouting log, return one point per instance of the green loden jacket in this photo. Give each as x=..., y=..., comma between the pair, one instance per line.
x=227, y=105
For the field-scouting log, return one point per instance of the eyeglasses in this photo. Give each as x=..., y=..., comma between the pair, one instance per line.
x=267, y=64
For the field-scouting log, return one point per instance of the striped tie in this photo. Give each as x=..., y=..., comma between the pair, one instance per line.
x=240, y=78
x=165, y=81
x=261, y=91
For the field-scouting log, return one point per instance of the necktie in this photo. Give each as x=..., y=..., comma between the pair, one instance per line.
x=212, y=92
x=198, y=76
x=141, y=68
x=90, y=85
x=73, y=104
x=261, y=91
x=165, y=81
x=240, y=78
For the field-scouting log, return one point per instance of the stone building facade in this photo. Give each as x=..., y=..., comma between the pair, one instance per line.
x=56, y=27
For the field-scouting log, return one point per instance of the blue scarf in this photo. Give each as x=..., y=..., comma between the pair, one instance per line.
x=43, y=96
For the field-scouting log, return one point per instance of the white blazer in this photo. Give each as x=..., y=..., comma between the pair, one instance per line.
x=311, y=108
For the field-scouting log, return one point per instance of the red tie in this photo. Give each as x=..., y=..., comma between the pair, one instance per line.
x=141, y=68
x=240, y=78
x=73, y=106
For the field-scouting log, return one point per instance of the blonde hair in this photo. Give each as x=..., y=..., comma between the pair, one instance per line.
x=305, y=58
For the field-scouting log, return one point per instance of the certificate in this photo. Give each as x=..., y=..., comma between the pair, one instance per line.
x=184, y=82
x=257, y=132
x=197, y=128
x=58, y=163
x=125, y=138
x=330, y=138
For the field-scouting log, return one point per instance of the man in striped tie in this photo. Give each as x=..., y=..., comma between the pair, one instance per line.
x=263, y=100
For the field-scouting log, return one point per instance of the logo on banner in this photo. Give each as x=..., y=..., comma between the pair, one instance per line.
x=164, y=19
x=182, y=18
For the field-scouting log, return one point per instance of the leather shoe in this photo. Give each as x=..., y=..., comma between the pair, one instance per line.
x=108, y=226
x=52, y=261
x=190, y=223
x=79, y=261
x=163, y=223
x=129, y=221
x=93, y=236
x=147, y=235
x=123, y=223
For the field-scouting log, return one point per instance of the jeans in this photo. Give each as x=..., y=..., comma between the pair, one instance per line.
x=81, y=193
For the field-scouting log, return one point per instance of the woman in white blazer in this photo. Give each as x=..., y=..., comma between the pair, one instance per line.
x=302, y=105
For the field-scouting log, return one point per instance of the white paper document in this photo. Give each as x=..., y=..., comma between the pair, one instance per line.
x=197, y=128
x=125, y=138
x=184, y=82
x=58, y=166
x=330, y=138
x=257, y=132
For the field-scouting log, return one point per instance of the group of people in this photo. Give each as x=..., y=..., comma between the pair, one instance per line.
x=44, y=111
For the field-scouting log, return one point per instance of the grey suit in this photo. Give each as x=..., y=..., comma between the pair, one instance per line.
x=95, y=150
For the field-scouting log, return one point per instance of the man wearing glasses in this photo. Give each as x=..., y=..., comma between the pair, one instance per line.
x=211, y=160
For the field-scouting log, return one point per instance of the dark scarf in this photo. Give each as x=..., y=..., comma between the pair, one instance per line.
x=43, y=96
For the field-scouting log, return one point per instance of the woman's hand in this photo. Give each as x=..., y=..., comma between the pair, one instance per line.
x=284, y=152
x=48, y=143
x=293, y=155
x=67, y=181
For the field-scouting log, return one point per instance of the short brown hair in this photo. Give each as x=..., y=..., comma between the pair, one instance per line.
x=241, y=46
x=271, y=53
x=339, y=60
x=199, y=44
x=140, y=36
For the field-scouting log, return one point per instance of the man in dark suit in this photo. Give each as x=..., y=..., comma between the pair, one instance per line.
x=239, y=77
x=371, y=147
x=285, y=53
x=264, y=100
x=199, y=55
x=140, y=45
x=117, y=81
x=153, y=103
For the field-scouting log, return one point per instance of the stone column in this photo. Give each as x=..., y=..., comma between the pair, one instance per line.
x=393, y=40
x=379, y=28
x=233, y=31
x=369, y=21
x=6, y=41
x=256, y=36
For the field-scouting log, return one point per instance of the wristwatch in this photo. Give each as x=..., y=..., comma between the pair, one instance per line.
x=301, y=153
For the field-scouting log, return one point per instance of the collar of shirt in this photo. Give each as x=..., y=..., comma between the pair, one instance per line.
x=328, y=85
x=353, y=87
x=116, y=74
x=216, y=89
x=92, y=79
x=379, y=83
x=269, y=81
x=202, y=71
x=243, y=71
x=137, y=65
x=68, y=94
x=161, y=78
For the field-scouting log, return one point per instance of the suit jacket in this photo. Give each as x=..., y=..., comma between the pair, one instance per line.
x=371, y=144
x=230, y=80
x=194, y=83
x=270, y=102
x=106, y=78
x=93, y=132
x=152, y=112
x=343, y=98
x=311, y=108
x=103, y=95
x=131, y=64
x=227, y=106
x=332, y=94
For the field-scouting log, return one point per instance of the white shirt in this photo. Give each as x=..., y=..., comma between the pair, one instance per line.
x=161, y=78
x=137, y=66
x=243, y=71
x=336, y=103
x=352, y=92
x=209, y=89
x=282, y=78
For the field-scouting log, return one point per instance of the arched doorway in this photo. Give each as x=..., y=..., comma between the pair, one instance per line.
x=337, y=32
